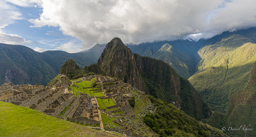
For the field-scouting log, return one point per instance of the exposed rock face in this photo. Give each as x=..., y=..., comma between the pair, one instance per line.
x=153, y=76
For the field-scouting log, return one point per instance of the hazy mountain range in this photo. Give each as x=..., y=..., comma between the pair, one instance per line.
x=216, y=67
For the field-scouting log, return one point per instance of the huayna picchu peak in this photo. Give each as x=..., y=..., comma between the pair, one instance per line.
x=117, y=60
x=153, y=76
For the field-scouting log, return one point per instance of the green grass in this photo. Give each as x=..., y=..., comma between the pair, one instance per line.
x=102, y=106
x=86, y=87
x=88, y=92
x=84, y=84
x=98, y=94
x=54, y=81
x=103, y=103
x=20, y=121
x=76, y=91
x=108, y=121
x=93, y=79
x=64, y=111
x=108, y=102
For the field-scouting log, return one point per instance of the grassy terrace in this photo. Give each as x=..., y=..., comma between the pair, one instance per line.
x=104, y=103
x=21, y=121
x=140, y=103
x=108, y=121
x=86, y=87
x=64, y=111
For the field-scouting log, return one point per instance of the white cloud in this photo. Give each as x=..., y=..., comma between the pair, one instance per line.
x=8, y=14
x=26, y=3
x=12, y=38
x=39, y=49
x=134, y=21
x=71, y=47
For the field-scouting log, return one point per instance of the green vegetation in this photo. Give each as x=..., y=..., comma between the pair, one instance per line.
x=98, y=94
x=108, y=121
x=180, y=54
x=241, y=112
x=118, y=112
x=88, y=92
x=113, y=109
x=21, y=121
x=71, y=69
x=167, y=120
x=101, y=104
x=153, y=76
x=132, y=102
x=54, y=81
x=183, y=65
x=87, y=87
x=160, y=83
x=23, y=65
x=108, y=91
x=140, y=103
x=84, y=84
x=64, y=111
x=93, y=69
x=104, y=103
x=108, y=102
x=224, y=69
x=57, y=80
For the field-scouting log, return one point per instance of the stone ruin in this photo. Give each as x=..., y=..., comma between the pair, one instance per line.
x=52, y=101
x=58, y=102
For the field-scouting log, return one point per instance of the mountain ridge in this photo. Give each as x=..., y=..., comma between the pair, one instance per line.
x=22, y=65
x=240, y=112
x=153, y=76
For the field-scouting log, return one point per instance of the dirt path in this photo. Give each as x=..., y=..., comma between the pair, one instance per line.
x=100, y=118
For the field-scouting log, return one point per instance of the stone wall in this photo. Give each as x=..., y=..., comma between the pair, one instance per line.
x=34, y=100
x=70, y=112
x=63, y=106
x=43, y=105
x=84, y=120
x=115, y=106
x=15, y=97
x=33, y=89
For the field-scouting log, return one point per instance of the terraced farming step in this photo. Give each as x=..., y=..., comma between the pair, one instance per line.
x=70, y=112
x=43, y=105
x=63, y=106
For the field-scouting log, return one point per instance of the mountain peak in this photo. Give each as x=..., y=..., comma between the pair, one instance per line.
x=70, y=69
x=166, y=47
x=117, y=60
x=115, y=43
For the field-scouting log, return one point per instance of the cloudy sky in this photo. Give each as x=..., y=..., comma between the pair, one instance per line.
x=75, y=25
